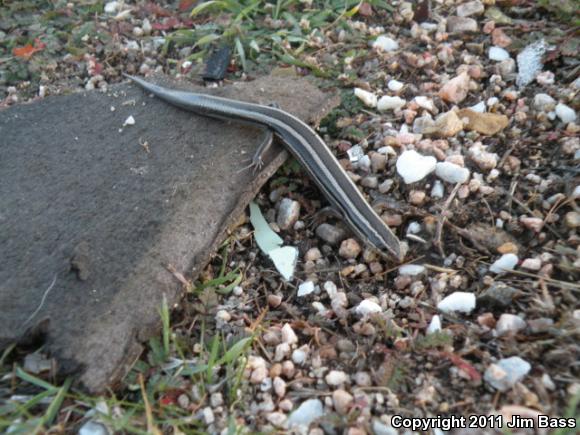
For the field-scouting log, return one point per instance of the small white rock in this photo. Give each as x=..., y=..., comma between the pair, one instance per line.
x=305, y=288
x=385, y=43
x=390, y=103
x=278, y=419
x=367, y=307
x=334, y=378
x=438, y=190
x=112, y=7
x=368, y=98
x=504, y=374
x=509, y=324
x=395, y=85
x=451, y=172
x=426, y=103
x=458, y=301
x=479, y=107
x=288, y=334
x=306, y=413
x=544, y=102
x=498, y=54
x=129, y=121
x=355, y=153
x=565, y=113
x=434, y=325
x=411, y=269
x=223, y=315
x=504, y=264
x=532, y=264
x=413, y=166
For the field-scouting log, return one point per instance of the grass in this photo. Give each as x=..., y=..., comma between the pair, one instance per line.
x=149, y=402
x=264, y=32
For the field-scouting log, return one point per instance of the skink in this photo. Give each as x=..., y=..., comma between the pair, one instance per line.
x=310, y=150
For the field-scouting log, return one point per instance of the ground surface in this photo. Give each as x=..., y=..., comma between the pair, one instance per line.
x=246, y=351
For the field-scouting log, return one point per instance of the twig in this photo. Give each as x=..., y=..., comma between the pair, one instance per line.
x=441, y=219
x=42, y=301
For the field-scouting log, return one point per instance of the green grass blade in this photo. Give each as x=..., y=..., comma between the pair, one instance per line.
x=34, y=380
x=235, y=351
x=241, y=53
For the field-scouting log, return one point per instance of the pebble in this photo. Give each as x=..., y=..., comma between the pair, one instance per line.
x=534, y=264
x=390, y=103
x=113, y=7
x=362, y=379
x=223, y=315
x=379, y=428
x=498, y=54
x=426, y=103
x=368, y=98
x=434, y=325
x=349, y=248
x=331, y=234
x=355, y=153
x=470, y=8
x=461, y=25
x=412, y=166
x=334, y=378
x=497, y=295
x=288, y=213
x=300, y=355
x=129, y=121
x=451, y=172
x=278, y=419
x=541, y=325
x=447, y=124
x=288, y=334
x=506, y=68
x=565, y=113
x=544, y=102
x=411, y=269
x=457, y=302
x=500, y=39
x=89, y=428
x=395, y=85
x=483, y=159
x=504, y=374
x=438, y=190
x=456, y=89
x=279, y=386
x=216, y=399
x=258, y=375
x=367, y=307
x=342, y=401
x=386, y=185
x=417, y=197
x=313, y=254
x=306, y=413
x=385, y=43
x=509, y=324
x=530, y=62
x=208, y=416
x=484, y=123
x=479, y=107
x=504, y=264
x=274, y=300
x=572, y=219
x=305, y=288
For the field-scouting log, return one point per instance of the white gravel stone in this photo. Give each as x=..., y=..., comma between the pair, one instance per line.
x=470, y=8
x=355, y=153
x=385, y=43
x=288, y=213
x=565, y=113
x=426, y=103
x=544, y=102
x=532, y=264
x=457, y=302
x=380, y=428
x=279, y=386
x=223, y=315
x=504, y=374
x=288, y=334
x=278, y=419
x=300, y=355
x=530, y=62
x=91, y=427
x=413, y=166
x=395, y=85
x=305, y=288
x=509, y=324
x=306, y=413
x=390, y=103
x=434, y=325
x=451, y=172
x=341, y=401
x=411, y=269
x=208, y=416
x=504, y=264
x=479, y=107
x=367, y=307
x=129, y=121
x=368, y=98
x=334, y=378
x=498, y=54
x=438, y=190
x=113, y=7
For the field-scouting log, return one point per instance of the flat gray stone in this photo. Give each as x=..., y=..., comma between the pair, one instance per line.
x=92, y=218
